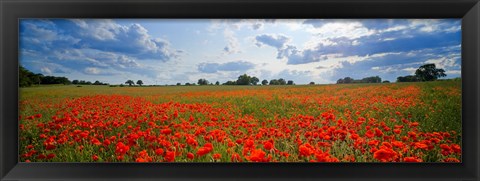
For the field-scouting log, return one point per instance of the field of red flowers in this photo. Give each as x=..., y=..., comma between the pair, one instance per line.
x=398, y=122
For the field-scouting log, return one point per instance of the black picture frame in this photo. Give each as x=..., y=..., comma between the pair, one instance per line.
x=467, y=10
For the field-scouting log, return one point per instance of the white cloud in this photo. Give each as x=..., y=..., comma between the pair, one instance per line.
x=388, y=39
x=100, y=29
x=92, y=70
x=410, y=70
x=444, y=62
x=278, y=41
x=453, y=72
x=232, y=42
x=350, y=30
x=46, y=70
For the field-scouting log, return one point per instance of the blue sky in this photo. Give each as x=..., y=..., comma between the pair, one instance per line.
x=174, y=51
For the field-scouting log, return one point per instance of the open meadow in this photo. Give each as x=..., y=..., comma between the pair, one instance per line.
x=383, y=122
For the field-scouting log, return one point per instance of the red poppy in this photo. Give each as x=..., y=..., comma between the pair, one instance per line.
x=385, y=155
x=412, y=159
x=170, y=156
x=190, y=156
x=217, y=156
x=94, y=157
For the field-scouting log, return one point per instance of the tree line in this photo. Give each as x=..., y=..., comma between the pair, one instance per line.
x=83, y=82
x=426, y=72
x=27, y=78
x=245, y=80
x=348, y=80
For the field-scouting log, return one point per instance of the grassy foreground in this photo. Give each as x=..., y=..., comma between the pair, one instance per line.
x=398, y=122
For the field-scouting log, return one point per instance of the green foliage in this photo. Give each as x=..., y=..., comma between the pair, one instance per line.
x=408, y=78
x=429, y=72
x=264, y=82
x=348, y=80
x=280, y=81
x=28, y=78
x=244, y=80
x=202, y=82
x=254, y=80
x=130, y=82
x=230, y=83
x=140, y=82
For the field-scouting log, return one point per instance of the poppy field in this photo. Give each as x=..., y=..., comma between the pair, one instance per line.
x=387, y=122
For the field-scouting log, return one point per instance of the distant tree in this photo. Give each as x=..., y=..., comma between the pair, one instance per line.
x=37, y=78
x=230, y=83
x=88, y=83
x=179, y=83
x=97, y=83
x=386, y=81
x=24, y=77
x=244, y=80
x=429, y=72
x=140, y=82
x=130, y=82
x=375, y=79
x=202, y=82
x=75, y=82
x=290, y=82
x=187, y=83
x=55, y=80
x=274, y=82
x=264, y=82
x=254, y=80
x=347, y=80
x=217, y=83
x=282, y=81
x=312, y=83
x=340, y=81
x=28, y=78
x=408, y=78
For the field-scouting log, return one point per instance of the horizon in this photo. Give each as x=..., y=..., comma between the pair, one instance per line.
x=167, y=52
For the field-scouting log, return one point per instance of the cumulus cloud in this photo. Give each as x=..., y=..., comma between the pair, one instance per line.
x=362, y=38
x=134, y=40
x=92, y=70
x=99, y=34
x=238, y=24
x=445, y=62
x=277, y=41
x=91, y=46
x=293, y=55
x=46, y=68
x=232, y=42
x=390, y=65
x=229, y=66
x=230, y=26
